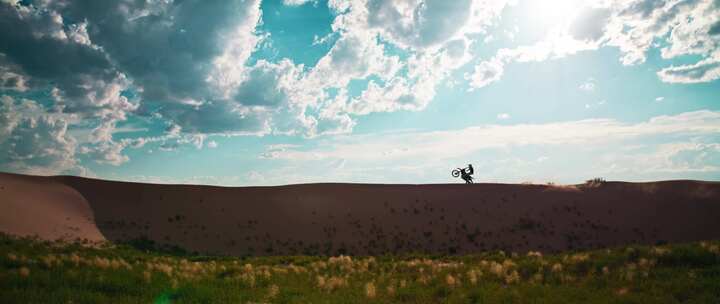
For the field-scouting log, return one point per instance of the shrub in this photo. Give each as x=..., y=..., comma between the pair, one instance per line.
x=595, y=182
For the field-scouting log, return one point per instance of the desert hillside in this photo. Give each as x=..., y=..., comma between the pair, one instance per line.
x=362, y=218
x=45, y=207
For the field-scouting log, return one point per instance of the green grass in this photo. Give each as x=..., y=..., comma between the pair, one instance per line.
x=33, y=271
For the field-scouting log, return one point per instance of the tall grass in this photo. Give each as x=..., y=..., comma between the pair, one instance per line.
x=33, y=271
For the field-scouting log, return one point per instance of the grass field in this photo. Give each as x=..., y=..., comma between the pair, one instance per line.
x=33, y=271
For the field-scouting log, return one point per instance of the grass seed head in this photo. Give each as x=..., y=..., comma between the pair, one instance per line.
x=512, y=277
x=273, y=291
x=450, y=280
x=391, y=290
x=557, y=268
x=370, y=291
x=24, y=272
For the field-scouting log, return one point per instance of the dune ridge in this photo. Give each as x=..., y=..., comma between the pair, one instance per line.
x=361, y=219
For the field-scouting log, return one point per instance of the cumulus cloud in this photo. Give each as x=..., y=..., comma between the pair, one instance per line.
x=11, y=78
x=415, y=87
x=677, y=28
x=166, y=61
x=703, y=71
x=215, y=117
x=34, y=140
x=106, y=152
x=431, y=34
x=354, y=56
x=12, y=81
x=267, y=85
x=485, y=73
x=685, y=26
x=46, y=52
x=191, y=70
x=90, y=54
x=418, y=24
x=590, y=23
x=168, y=48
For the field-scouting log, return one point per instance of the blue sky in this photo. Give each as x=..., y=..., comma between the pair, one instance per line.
x=279, y=92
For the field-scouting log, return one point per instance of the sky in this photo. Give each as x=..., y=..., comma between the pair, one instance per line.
x=240, y=93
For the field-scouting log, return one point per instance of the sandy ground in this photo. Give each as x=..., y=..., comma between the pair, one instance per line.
x=363, y=219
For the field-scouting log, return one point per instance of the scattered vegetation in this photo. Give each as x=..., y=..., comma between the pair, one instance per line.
x=595, y=182
x=33, y=271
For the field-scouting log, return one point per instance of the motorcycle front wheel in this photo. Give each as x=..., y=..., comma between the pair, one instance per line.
x=455, y=173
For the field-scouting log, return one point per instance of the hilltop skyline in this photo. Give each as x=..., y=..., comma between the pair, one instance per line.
x=279, y=92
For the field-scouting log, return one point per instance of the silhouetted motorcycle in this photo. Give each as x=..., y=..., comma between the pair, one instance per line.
x=458, y=171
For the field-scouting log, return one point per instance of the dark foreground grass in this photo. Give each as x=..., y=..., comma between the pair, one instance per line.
x=33, y=271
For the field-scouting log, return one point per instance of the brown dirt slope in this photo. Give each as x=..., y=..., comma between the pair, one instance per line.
x=372, y=219
x=31, y=205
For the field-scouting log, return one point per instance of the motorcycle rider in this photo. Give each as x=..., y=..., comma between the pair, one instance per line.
x=466, y=174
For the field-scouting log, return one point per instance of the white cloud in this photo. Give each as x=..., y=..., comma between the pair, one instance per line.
x=415, y=24
x=485, y=73
x=35, y=141
x=634, y=26
x=298, y=2
x=194, y=74
x=431, y=33
x=683, y=26
x=106, y=152
x=455, y=143
x=590, y=24
x=11, y=77
x=354, y=56
x=557, y=44
x=659, y=99
x=507, y=152
x=597, y=104
x=503, y=116
x=588, y=86
x=682, y=157
x=188, y=67
x=703, y=71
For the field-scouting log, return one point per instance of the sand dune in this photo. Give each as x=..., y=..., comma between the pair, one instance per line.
x=31, y=205
x=360, y=218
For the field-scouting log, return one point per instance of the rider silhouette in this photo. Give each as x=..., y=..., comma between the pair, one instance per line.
x=466, y=174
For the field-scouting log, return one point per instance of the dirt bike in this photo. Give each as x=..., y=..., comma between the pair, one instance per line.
x=458, y=171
